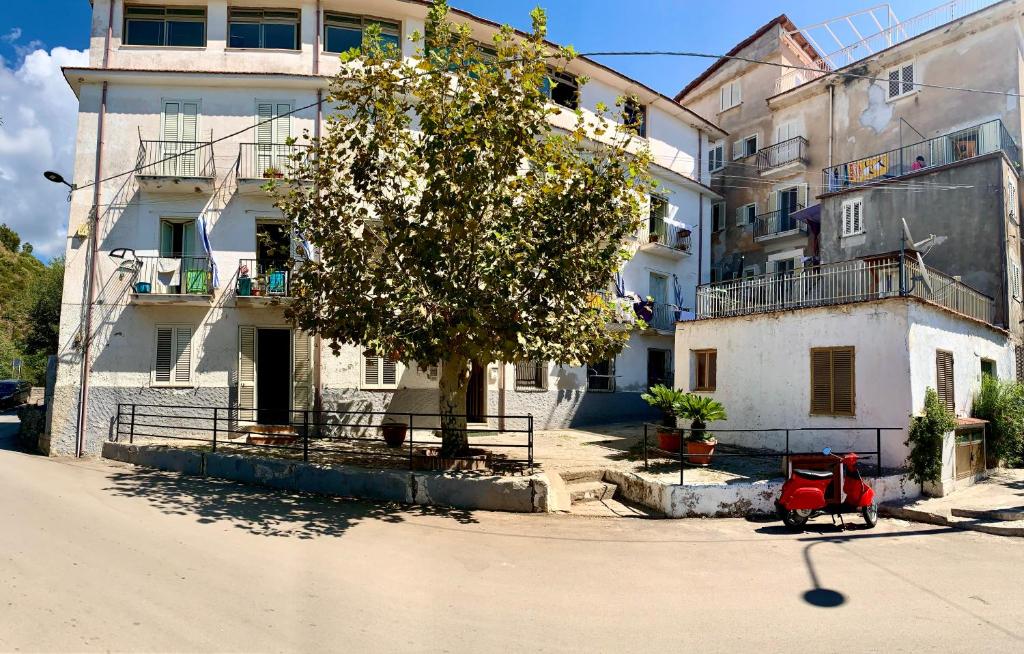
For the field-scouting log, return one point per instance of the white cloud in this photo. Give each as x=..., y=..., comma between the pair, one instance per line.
x=40, y=118
x=11, y=36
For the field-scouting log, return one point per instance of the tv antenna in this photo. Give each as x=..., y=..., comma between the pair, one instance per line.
x=916, y=246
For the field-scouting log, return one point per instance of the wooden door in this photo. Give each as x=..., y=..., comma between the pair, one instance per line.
x=476, y=394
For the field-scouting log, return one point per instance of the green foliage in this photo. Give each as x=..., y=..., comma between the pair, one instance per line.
x=454, y=222
x=9, y=238
x=925, y=438
x=1002, y=404
x=700, y=410
x=664, y=398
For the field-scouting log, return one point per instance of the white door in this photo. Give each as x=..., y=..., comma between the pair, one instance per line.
x=246, y=386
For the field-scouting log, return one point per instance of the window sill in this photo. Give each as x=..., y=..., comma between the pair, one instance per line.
x=728, y=109
x=851, y=235
x=716, y=170
x=163, y=48
x=897, y=98
x=170, y=385
x=530, y=389
x=379, y=388
x=275, y=50
x=703, y=390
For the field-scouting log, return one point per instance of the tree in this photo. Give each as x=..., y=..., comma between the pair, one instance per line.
x=454, y=223
x=9, y=238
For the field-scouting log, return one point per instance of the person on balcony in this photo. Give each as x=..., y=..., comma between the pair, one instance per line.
x=918, y=164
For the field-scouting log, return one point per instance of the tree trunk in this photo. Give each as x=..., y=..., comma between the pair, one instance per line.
x=453, y=385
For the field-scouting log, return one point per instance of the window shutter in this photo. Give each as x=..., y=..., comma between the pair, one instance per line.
x=302, y=372
x=183, y=355
x=944, y=379
x=712, y=370
x=371, y=370
x=723, y=94
x=847, y=218
x=189, y=121
x=739, y=149
x=164, y=354
x=172, y=113
x=773, y=201
x=737, y=92
x=821, y=382
x=434, y=372
x=741, y=218
x=264, y=129
x=802, y=193
x=247, y=373
x=858, y=217
x=389, y=372
x=843, y=390
x=283, y=122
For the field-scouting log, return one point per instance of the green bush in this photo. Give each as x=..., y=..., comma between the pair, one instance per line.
x=925, y=438
x=1002, y=404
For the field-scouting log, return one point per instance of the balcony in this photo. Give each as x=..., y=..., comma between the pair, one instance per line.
x=960, y=145
x=665, y=318
x=263, y=283
x=260, y=163
x=624, y=316
x=184, y=280
x=787, y=156
x=176, y=166
x=661, y=239
x=778, y=224
x=844, y=282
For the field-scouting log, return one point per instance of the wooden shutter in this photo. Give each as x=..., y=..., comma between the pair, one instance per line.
x=843, y=390
x=944, y=379
x=847, y=218
x=712, y=366
x=389, y=372
x=164, y=355
x=858, y=217
x=182, y=355
x=371, y=370
x=302, y=372
x=246, y=373
x=833, y=381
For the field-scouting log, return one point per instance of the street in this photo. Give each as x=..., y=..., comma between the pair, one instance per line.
x=102, y=557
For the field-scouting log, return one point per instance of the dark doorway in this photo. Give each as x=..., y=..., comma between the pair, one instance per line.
x=273, y=376
x=787, y=207
x=476, y=395
x=659, y=368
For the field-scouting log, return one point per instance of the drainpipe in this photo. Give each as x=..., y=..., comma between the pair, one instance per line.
x=831, y=104
x=700, y=210
x=316, y=41
x=110, y=30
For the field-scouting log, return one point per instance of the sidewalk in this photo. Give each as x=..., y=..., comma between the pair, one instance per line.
x=994, y=506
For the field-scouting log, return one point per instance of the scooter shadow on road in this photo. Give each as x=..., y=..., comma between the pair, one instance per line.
x=263, y=511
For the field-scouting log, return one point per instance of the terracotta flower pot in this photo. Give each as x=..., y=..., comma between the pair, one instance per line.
x=394, y=434
x=669, y=439
x=700, y=452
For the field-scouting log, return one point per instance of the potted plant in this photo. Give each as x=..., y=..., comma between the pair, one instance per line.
x=394, y=433
x=700, y=410
x=272, y=173
x=653, y=237
x=244, y=281
x=666, y=399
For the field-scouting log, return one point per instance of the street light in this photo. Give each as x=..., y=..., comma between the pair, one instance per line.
x=57, y=178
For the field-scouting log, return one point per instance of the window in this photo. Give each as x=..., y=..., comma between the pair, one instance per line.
x=717, y=216
x=715, y=275
x=1011, y=200
x=833, y=387
x=531, y=375
x=705, y=365
x=563, y=89
x=744, y=147
x=853, y=217
x=731, y=95
x=716, y=156
x=601, y=376
x=177, y=238
x=944, y=379
x=1015, y=287
x=635, y=116
x=753, y=270
x=901, y=81
x=269, y=29
x=746, y=215
x=380, y=372
x=343, y=32
x=988, y=367
x=656, y=225
x=160, y=26
x=172, y=365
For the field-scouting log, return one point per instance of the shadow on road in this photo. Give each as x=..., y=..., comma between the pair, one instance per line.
x=263, y=511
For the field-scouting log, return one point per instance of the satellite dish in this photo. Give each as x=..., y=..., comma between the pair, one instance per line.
x=925, y=277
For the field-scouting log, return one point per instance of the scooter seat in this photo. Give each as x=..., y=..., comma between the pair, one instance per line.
x=813, y=474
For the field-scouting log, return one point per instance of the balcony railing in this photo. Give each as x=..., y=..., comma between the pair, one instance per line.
x=267, y=160
x=840, y=283
x=259, y=278
x=778, y=222
x=961, y=145
x=187, y=159
x=187, y=275
x=658, y=231
x=781, y=154
x=665, y=316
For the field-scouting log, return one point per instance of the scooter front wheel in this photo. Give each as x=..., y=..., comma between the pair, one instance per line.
x=795, y=519
x=870, y=513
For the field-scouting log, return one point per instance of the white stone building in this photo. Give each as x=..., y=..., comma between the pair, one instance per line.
x=172, y=93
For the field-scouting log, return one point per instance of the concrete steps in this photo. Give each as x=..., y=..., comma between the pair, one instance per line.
x=591, y=491
x=591, y=496
x=999, y=515
x=998, y=522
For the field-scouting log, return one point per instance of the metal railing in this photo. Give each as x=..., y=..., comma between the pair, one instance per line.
x=772, y=444
x=840, y=283
x=341, y=435
x=665, y=316
x=778, y=222
x=264, y=278
x=187, y=275
x=781, y=154
x=794, y=78
x=960, y=145
x=656, y=230
x=192, y=159
x=267, y=160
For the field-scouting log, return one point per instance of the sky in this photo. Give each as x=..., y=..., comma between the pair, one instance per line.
x=37, y=37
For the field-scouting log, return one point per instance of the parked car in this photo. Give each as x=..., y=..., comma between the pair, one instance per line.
x=14, y=392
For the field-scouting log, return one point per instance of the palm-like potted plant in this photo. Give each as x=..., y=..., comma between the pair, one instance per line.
x=700, y=410
x=666, y=399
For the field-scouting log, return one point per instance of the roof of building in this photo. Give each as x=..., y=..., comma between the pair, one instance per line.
x=781, y=20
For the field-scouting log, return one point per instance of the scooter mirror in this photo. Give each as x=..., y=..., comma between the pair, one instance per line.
x=827, y=451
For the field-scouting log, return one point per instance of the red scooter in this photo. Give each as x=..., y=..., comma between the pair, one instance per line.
x=835, y=487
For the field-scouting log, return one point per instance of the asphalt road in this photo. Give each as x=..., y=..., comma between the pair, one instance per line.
x=101, y=557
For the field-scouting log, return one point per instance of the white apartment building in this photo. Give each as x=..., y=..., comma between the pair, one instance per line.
x=176, y=286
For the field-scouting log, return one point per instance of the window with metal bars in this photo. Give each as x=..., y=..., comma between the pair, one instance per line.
x=531, y=375
x=944, y=380
x=901, y=81
x=601, y=376
x=833, y=381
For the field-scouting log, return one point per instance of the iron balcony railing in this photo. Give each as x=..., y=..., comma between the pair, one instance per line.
x=658, y=231
x=960, y=145
x=192, y=159
x=778, y=222
x=184, y=275
x=268, y=160
x=665, y=317
x=258, y=278
x=840, y=283
x=782, y=154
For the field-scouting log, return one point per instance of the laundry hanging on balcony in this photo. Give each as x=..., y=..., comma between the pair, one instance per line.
x=204, y=239
x=645, y=309
x=678, y=224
